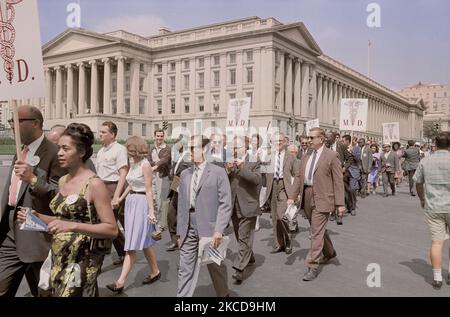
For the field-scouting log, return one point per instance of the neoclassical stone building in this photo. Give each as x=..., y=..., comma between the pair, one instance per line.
x=138, y=82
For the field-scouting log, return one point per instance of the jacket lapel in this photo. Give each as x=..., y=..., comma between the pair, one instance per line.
x=205, y=175
x=321, y=158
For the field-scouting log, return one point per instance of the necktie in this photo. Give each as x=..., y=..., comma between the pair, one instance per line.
x=194, y=187
x=277, y=170
x=311, y=168
x=15, y=180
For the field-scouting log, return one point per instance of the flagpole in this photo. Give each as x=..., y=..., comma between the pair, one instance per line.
x=368, y=58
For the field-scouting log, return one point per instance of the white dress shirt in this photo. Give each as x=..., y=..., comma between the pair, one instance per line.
x=308, y=166
x=32, y=148
x=110, y=160
x=201, y=168
x=281, y=164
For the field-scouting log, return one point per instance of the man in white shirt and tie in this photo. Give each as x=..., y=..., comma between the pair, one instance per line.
x=281, y=193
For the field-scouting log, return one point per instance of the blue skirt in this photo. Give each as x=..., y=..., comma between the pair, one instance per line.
x=138, y=230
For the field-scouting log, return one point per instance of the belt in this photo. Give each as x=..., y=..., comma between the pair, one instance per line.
x=109, y=183
x=307, y=186
x=191, y=209
x=277, y=180
x=137, y=193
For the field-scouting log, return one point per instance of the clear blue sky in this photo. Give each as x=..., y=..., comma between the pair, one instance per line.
x=412, y=44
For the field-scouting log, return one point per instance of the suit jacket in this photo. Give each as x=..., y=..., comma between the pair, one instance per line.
x=345, y=156
x=216, y=160
x=300, y=153
x=412, y=159
x=290, y=176
x=390, y=163
x=366, y=160
x=33, y=246
x=328, y=181
x=213, y=207
x=164, y=160
x=245, y=187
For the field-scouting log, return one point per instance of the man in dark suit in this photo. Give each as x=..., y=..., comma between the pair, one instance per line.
x=388, y=167
x=412, y=159
x=346, y=159
x=32, y=182
x=322, y=191
x=303, y=149
x=245, y=181
x=281, y=192
x=365, y=166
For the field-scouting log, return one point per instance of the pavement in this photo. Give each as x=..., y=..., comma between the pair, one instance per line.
x=387, y=233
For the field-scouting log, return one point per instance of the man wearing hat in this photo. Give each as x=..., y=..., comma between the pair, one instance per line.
x=388, y=167
x=412, y=158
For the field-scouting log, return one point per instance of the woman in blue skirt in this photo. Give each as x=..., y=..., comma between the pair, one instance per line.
x=139, y=214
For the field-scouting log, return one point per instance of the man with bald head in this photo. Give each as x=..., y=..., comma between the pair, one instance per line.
x=55, y=133
x=31, y=182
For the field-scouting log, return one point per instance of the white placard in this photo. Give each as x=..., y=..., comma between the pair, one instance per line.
x=21, y=66
x=391, y=132
x=353, y=115
x=312, y=124
x=238, y=113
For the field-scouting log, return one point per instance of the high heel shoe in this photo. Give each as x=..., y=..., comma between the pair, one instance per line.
x=149, y=279
x=113, y=288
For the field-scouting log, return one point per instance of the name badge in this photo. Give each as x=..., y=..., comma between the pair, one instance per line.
x=364, y=154
x=72, y=199
x=34, y=161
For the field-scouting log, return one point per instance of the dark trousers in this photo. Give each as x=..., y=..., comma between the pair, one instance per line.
x=244, y=230
x=172, y=217
x=278, y=205
x=119, y=242
x=350, y=195
x=363, y=184
x=388, y=179
x=411, y=182
x=320, y=240
x=12, y=271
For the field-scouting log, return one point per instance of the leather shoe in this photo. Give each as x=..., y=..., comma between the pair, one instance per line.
x=113, y=288
x=288, y=248
x=448, y=279
x=238, y=276
x=277, y=250
x=333, y=217
x=339, y=220
x=437, y=284
x=412, y=194
x=252, y=260
x=149, y=279
x=119, y=261
x=386, y=195
x=393, y=193
x=327, y=259
x=311, y=274
x=172, y=247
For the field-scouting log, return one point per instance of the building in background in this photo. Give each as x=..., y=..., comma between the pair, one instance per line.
x=190, y=75
x=435, y=96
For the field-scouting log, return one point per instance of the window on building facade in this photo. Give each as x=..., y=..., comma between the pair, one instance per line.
x=201, y=80
x=232, y=58
x=201, y=62
x=186, y=105
x=186, y=82
x=114, y=106
x=172, y=83
x=159, y=68
x=159, y=106
x=172, y=106
x=159, y=84
x=127, y=84
x=201, y=103
x=183, y=124
x=172, y=66
x=434, y=95
x=249, y=75
x=114, y=69
x=216, y=60
x=130, y=128
x=127, y=105
x=249, y=56
x=144, y=130
x=216, y=78
x=216, y=103
x=276, y=100
x=156, y=127
x=114, y=86
x=232, y=76
x=141, y=68
x=186, y=64
x=213, y=124
x=141, y=83
x=127, y=67
x=250, y=95
x=141, y=106
x=232, y=96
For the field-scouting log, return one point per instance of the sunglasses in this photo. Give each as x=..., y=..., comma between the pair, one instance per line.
x=304, y=143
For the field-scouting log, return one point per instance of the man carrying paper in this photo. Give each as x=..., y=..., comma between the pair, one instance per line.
x=204, y=210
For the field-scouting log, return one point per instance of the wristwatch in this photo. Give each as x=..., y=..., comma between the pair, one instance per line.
x=33, y=181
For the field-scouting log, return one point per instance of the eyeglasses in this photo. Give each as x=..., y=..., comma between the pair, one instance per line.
x=304, y=143
x=11, y=121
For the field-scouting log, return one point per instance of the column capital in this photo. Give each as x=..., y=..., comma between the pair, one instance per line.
x=81, y=64
x=57, y=68
x=120, y=58
x=68, y=66
x=93, y=62
x=48, y=69
x=106, y=60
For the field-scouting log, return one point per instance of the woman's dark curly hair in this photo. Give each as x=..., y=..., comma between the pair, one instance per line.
x=83, y=138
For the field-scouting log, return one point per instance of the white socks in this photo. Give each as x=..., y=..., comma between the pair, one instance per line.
x=437, y=273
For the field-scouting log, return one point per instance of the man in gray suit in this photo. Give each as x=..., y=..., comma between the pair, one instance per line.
x=245, y=180
x=412, y=159
x=366, y=165
x=389, y=165
x=204, y=210
x=31, y=182
x=281, y=192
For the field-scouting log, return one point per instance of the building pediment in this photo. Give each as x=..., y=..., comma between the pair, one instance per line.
x=73, y=40
x=297, y=32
